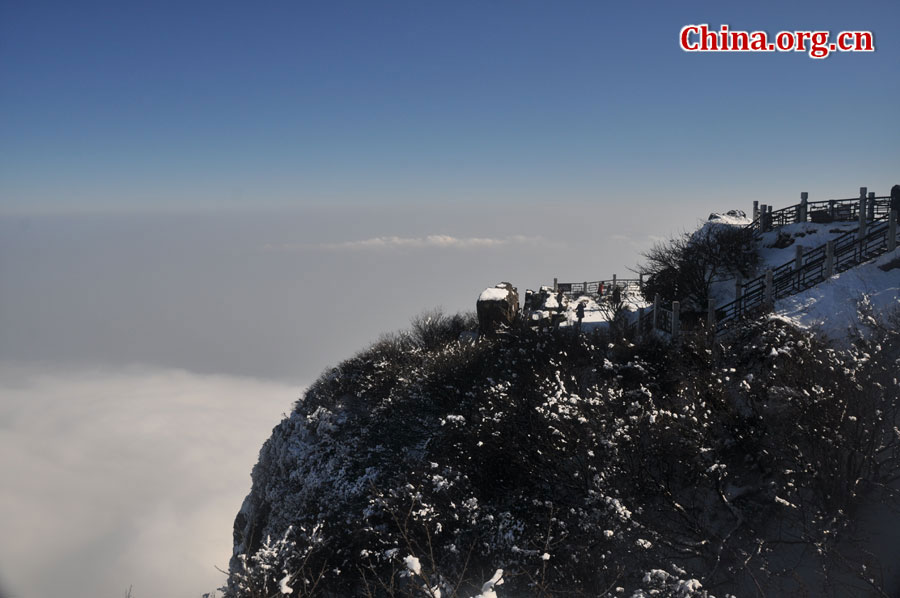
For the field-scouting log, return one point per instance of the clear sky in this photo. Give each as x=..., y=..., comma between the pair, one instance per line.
x=204, y=205
x=205, y=104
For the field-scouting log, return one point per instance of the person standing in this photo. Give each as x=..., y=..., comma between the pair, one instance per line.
x=579, y=313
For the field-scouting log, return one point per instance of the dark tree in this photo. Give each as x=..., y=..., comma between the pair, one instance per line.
x=685, y=267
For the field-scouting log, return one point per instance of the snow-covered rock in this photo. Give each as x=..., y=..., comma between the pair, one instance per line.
x=497, y=307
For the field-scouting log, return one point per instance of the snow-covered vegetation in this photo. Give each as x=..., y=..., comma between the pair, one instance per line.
x=576, y=463
x=556, y=463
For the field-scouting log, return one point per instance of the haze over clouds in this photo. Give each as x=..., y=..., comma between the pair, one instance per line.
x=203, y=292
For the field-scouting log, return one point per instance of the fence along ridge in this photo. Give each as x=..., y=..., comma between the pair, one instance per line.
x=846, y=208
x=816, y=255
x=789, y=280
x=595, y=286
x=814, y=260
x=876, y=205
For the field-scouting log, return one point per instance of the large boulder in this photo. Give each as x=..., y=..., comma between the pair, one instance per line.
x=497, y=307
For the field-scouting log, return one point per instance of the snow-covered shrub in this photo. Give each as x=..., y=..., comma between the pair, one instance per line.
x=659, y=583
x=575, y=463
x=434, y=329
x=280, y=564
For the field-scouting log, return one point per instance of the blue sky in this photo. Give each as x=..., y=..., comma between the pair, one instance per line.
x=139, y=106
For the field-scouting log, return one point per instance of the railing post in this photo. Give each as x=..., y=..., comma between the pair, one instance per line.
x=738, y=288
x=584, y=288
x=803, y=209
x=829, y=259
x=676, y=319
x=614, y=281
x=862, y=214
x=554, y=284
x=755, y=209
x=641, y=281
x=870, y=205
x=798, y=264
x=762, y=218
x=655, y=312
x=892, y=231
x=769, y=295
x=768, y=217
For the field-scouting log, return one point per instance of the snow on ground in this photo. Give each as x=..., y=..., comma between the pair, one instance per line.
x=829, y=307
x=596, y=315
x=807, y=235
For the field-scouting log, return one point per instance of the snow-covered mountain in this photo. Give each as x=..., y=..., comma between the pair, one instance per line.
x=435, y=464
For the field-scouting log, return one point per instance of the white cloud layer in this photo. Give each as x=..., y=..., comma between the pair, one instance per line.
x=429, y=241
x=126, y=478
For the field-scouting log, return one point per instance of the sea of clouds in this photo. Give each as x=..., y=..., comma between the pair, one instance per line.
x=125, y=478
